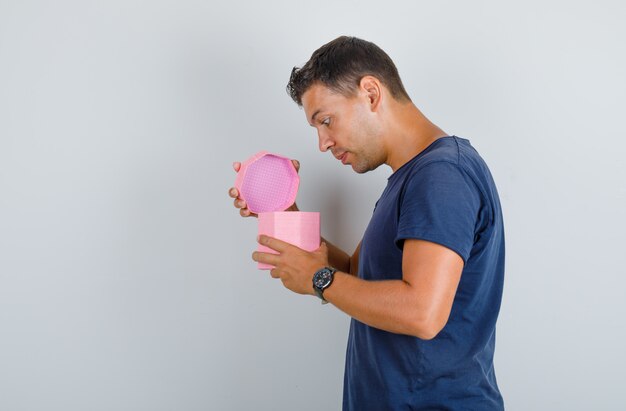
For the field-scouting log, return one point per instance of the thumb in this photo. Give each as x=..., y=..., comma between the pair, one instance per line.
x=296, y=164
x=323, y=249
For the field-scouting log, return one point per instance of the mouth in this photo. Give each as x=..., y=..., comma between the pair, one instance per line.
x=343, y=157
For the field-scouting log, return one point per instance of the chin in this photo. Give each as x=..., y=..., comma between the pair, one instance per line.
x=362, y=168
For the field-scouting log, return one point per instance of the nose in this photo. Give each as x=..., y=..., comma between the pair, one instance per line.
x=325, y=141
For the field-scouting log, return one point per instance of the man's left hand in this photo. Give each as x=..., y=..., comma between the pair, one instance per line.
x=294, y=266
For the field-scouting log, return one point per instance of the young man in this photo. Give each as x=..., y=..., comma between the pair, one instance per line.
x=424, y=286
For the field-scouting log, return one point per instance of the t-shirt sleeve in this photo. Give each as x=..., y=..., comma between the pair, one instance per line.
x=440, y=204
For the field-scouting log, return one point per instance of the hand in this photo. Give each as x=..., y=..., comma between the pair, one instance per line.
x=241, y=204
x=294, y=266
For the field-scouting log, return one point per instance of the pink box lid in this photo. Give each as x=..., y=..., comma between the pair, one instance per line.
x=267, y=182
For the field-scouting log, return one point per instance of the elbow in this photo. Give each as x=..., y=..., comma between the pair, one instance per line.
x=427, y=327
x=426, y=333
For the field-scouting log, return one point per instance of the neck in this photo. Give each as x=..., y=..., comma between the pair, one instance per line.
x=410, y=132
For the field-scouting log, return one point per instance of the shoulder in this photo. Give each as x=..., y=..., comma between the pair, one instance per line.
x=448, y=158
x=441, y=160
x=445, y=150
x=443, y=175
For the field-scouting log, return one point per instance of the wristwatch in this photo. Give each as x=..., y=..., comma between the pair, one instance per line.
x=322, y=280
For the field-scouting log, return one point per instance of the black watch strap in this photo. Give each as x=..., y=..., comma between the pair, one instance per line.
x=322, y=279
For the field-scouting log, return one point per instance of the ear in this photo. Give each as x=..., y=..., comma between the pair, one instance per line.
x=372, y=88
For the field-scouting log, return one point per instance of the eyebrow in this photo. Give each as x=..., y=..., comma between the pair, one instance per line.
x=314, y=115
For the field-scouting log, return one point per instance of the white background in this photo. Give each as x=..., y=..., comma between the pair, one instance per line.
x=125, y=274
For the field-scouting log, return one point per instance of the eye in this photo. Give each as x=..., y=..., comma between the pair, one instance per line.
x=326, y=121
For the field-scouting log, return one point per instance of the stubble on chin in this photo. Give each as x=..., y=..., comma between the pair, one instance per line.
x=362, y=166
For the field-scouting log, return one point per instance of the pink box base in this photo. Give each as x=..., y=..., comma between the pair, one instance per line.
x=299, y=228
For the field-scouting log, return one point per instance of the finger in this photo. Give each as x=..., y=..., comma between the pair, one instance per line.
x=322, y=251
x=233, y=192
x=293, y=207
x=274, y=243
x=236, y=166
x=239, y=203
x=323, y=248
x=244, y=212
x=296, y=164
x=275, y=273
x=266, y=258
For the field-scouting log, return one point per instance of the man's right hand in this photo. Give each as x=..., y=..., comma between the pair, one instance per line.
x=241, y=203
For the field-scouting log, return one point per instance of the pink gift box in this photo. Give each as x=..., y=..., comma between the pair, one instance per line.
x=299, y=228
x=269, y=184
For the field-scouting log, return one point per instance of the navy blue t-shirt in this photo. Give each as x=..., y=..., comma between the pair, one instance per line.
x=445, y=195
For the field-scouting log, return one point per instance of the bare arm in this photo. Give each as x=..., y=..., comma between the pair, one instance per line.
x=341, y=260
x=418, y=305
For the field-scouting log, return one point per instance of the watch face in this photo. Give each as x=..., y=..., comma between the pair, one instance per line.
x=322, y=278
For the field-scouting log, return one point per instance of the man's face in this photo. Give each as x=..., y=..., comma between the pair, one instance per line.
x=346, y=126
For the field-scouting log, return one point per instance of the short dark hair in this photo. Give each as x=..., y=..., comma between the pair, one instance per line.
x=341, y=64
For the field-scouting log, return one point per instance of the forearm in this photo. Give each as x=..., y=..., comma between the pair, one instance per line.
x=337, y=258
x=391, y=305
